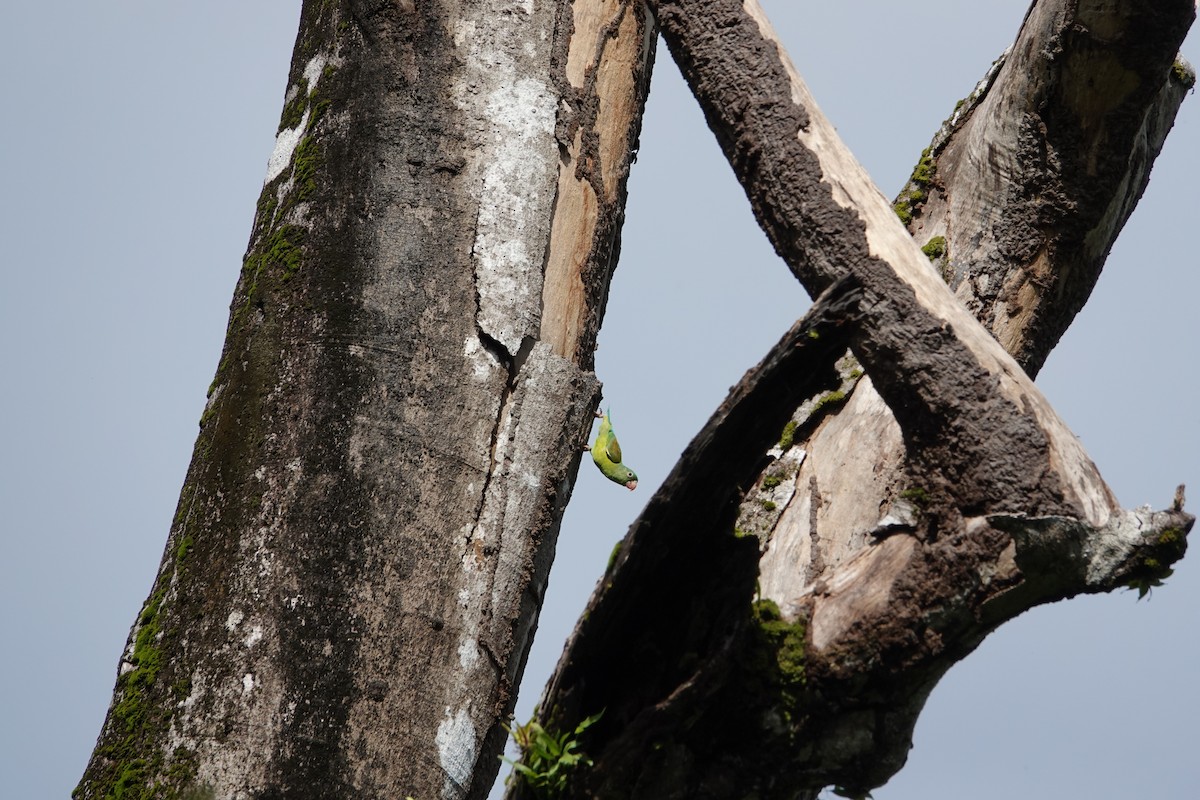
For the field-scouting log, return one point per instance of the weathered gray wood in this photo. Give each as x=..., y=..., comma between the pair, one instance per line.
x=973, y=172
x=988, y=504
x=1032, y=178
x=351, y=583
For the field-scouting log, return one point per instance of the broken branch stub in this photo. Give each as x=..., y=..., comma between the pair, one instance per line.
x=1005, y=510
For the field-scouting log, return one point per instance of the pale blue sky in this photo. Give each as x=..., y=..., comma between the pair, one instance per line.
x=134, y=144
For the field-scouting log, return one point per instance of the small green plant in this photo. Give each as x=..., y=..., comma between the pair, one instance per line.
x=788, y=436
x=547, y=757
x=1146, y=583
x=935, y=248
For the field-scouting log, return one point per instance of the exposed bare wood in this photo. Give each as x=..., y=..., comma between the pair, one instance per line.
x=350, y=586
x=1034, y=175
x=978, y=168
x=985, y=506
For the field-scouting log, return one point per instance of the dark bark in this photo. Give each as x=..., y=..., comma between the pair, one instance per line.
x=1033, y=177
x=352, y=579
x=354, y=573
x=1003, y=510
x=680, y=580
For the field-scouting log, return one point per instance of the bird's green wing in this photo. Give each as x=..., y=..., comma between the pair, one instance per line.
x=613, y=449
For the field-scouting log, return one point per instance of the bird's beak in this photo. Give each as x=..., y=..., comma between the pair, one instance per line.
x=631, y=485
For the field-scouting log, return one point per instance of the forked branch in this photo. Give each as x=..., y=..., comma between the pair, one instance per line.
x=707, y=695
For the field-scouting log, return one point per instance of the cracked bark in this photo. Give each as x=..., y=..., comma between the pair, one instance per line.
x=350, y=584
x=349, y=590
x=960, y=500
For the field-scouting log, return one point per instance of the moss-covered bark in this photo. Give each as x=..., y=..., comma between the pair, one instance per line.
x=939, y=498
x=350, y=584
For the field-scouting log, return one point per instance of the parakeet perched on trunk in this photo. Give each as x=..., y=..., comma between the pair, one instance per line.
x=607, y=455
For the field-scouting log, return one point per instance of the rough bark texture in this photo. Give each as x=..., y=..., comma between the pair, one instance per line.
x=944, y=496
x=353, y=576
x=970, y=173
x=1034, y=175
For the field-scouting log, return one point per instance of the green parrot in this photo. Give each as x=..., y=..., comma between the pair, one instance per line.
x=607, y=455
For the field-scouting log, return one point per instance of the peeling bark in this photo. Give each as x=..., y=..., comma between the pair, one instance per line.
x=1034, y=175
x=943, y=496
x=352, y=580
x=353, y=576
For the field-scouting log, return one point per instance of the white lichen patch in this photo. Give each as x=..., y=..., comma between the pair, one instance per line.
x=285, y=145
x=456, y=744
x=515, y=172
x=468, y=653
x=233, y=620
x=252, y=638
x=483, y=362
x=247, y=683
x=287, y=139
x=513, y=191
x=313, y=70
x=1110, y=548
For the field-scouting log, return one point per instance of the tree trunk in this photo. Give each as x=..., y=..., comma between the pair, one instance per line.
x=904, y=515
x=353, y=576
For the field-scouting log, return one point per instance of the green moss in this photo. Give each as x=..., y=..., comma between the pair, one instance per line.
x=139, y=715
x=1171, y=537
x=917, y=496
x=130, y=782
x=771, y=481
x=209, y=411
x=305, y=163
x=922, y=174
x=829, y=398
x=916, y=192
x=280, y=254
x=265, y=209
x=1183, y=74
x=788, y=436
x=768, y=505
x=285, y=249
x=181, y=688
x=1154, y=565
x=293, y=111
x=935, y=248
x=785, y=643
x=319, y=107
